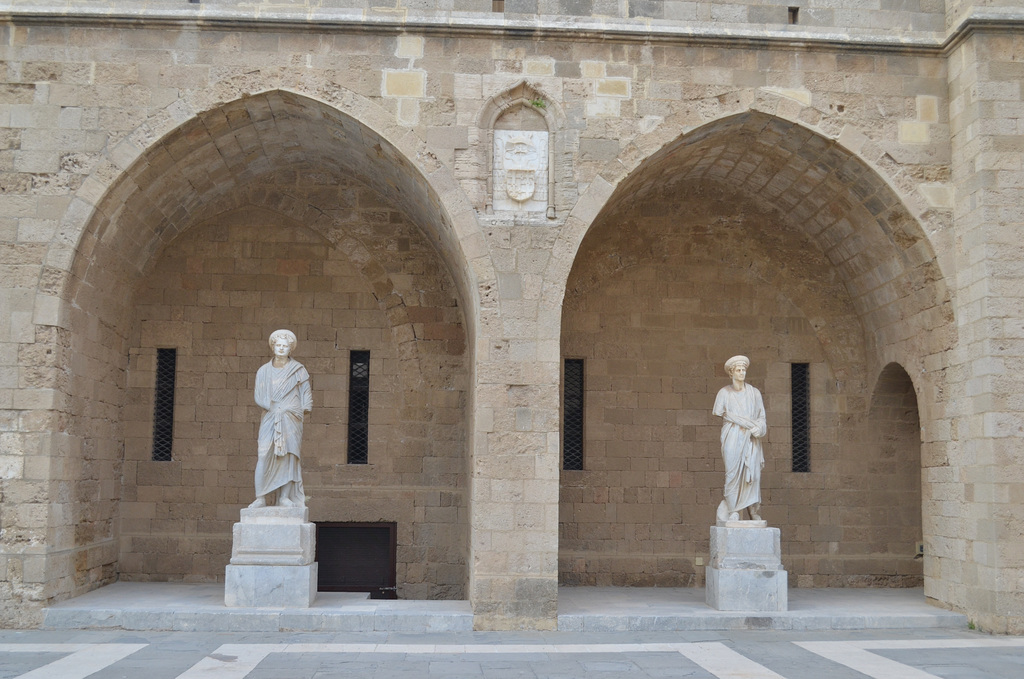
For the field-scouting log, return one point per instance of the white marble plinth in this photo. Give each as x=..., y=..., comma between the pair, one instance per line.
x=272, y=556
x=274, y=536
x=745, y=570
x=249, y=586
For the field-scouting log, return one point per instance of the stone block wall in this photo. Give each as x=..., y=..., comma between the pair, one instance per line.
x=978, y=511
x=215, y=295
x=868, y=16
x=654, y=329
x=889, y=164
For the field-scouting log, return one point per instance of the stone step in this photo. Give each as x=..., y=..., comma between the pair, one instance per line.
x=200, y=608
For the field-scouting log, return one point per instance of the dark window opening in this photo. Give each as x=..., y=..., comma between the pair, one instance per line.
x=801, y=390
x=357, y=557
x=794, y=15
x=572, y=414
x=358, y=407
x=163, y=404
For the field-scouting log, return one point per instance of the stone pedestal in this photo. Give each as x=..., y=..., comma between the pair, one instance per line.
x=272, y=559
x=745, y=571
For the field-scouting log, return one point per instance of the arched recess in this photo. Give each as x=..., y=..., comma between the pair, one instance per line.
x=374, y=215
x=879, y=509
x=524, y=108
x=755, y=235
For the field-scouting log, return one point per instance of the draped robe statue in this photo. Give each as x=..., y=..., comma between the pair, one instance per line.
x=743, y=425
x=283, y=391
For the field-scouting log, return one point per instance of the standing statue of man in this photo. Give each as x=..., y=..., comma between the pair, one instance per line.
x=284, y=392
x=742, y=410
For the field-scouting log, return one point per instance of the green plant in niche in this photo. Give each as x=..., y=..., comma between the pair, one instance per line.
x=539, y=103
x=971, y=625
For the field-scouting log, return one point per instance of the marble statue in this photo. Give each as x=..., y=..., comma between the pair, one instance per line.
x=743, y=426
x=284, y=392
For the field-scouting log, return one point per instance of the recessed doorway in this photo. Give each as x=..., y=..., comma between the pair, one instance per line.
x=357, y=557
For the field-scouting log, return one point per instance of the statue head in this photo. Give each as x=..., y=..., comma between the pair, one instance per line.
x=737, y=362
x=283, y=342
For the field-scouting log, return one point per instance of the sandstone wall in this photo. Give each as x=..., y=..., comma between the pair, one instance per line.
x=213, y=295
x=685, y=292
x=119, y=139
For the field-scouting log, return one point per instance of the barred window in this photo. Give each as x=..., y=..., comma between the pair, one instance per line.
x=358, y=407
x=163, y=404
x=801, y=413
x=572, y=415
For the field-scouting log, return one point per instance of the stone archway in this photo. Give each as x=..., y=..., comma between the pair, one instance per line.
x=288, y=154
x=755, y=231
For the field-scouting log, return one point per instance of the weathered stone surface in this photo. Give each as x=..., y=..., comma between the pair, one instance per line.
x=745, y=570
x=274, y=536
x=250, y=586
x=853, y=208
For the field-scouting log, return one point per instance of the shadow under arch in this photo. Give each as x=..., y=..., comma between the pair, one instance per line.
x=894, y=463
x=207, y=165
x=220, y=150
x=844, y=207
x=789, y=208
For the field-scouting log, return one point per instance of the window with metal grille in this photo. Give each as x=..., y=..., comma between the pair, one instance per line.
x=572, y=415
x=801, y=390
x=358, y=407
x=163, y=404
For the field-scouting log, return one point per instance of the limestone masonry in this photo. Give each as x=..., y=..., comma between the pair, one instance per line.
x=474, y=192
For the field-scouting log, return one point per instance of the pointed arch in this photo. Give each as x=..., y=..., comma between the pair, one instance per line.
x=847, y=209
x=183, y=168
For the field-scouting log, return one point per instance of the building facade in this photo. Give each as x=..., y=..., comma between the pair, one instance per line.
x=516, y=214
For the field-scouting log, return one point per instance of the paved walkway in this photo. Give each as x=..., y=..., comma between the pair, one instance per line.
x=121, y=632
x=767, y=654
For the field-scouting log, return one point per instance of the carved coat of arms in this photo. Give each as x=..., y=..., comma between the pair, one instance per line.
x=521, y=164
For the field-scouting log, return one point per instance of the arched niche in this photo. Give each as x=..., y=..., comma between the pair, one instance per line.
x=313, y=166
x=519, y=138
x=760, y=225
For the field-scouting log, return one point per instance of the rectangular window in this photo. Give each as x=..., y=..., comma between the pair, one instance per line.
x=497, y=5
x=358, y=407
x=801, y=390
x=572, y=415
x=163, y=404
x=794, y=15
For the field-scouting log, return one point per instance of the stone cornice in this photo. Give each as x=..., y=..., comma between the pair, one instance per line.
x=481, y=25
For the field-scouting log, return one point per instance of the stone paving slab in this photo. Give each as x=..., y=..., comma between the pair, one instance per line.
x=608, y=609
x=200, y=607
x=748, y=654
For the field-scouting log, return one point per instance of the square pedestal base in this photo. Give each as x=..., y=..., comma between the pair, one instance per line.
x=745, y=570
x=247, y=586
x=733, y=589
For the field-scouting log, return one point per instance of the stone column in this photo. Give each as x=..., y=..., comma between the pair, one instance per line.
x=515, y=469
x=974, y=513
